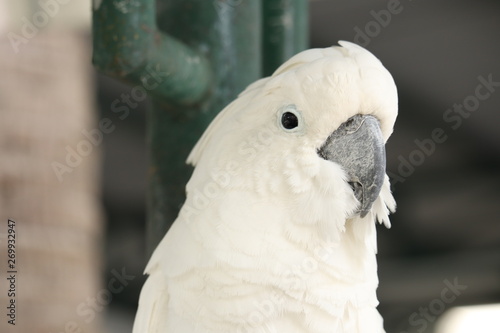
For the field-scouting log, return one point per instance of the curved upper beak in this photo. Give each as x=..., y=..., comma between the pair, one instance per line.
x=358, y=146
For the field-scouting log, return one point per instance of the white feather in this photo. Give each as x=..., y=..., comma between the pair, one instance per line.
x=267, y=240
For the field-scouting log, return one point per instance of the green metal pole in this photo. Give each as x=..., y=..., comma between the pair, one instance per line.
x=129, y=46
x=285, y=24
x=211, y=53
x=228, y=34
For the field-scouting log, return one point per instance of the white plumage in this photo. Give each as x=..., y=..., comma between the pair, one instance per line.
x=268, y=239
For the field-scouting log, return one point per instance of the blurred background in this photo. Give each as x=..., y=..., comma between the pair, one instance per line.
x=81, y=228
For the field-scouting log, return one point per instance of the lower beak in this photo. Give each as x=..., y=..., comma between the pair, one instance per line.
x=358, y=147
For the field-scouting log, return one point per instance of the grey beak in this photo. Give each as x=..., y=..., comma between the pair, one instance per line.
x=358, y=147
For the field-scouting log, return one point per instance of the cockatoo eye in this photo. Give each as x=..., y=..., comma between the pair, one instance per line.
x=289, y=118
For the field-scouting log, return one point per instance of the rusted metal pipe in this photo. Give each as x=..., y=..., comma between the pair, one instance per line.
x=129, y=46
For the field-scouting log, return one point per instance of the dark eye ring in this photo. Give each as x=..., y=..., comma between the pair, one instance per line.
x=289, y=120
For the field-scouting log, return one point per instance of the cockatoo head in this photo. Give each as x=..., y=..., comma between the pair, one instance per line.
x=316, y=128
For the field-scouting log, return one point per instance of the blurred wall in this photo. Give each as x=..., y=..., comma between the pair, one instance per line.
x=51, y=222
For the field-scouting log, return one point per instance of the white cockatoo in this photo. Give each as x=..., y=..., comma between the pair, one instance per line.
x=277, y=233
